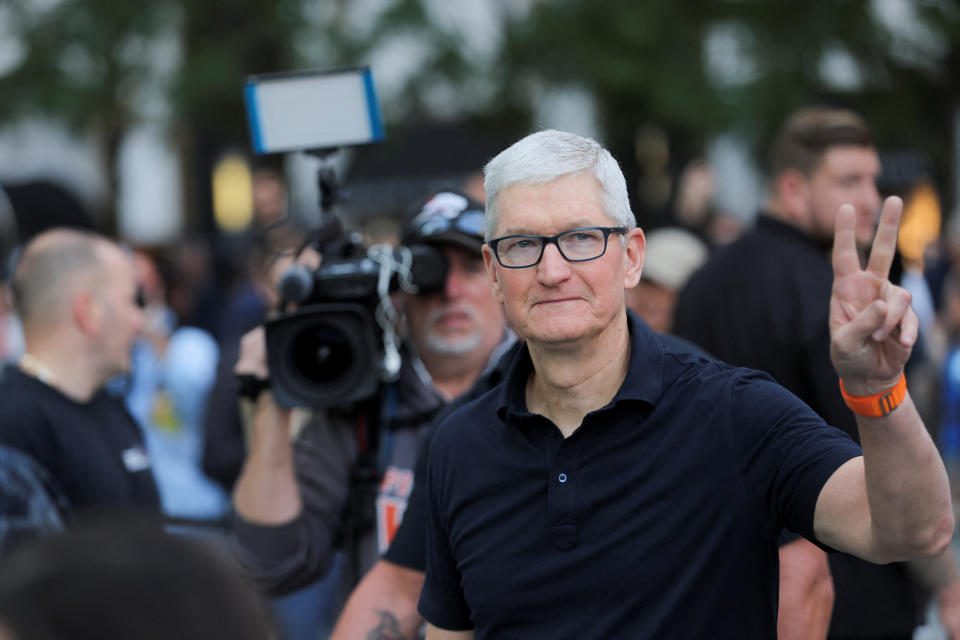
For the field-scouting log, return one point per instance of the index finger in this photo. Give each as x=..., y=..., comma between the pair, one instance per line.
x=885, y=242
x=845, y=258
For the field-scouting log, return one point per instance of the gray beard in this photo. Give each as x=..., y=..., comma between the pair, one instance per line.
x=451, y=346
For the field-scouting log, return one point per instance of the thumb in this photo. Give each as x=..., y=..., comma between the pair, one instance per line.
x=866, y=322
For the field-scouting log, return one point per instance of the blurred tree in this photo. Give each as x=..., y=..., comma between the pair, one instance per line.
x=223, y=43
x=431, y=59
x=690, y=69
x=101, y=66
x=83, y=62
x=703, y=67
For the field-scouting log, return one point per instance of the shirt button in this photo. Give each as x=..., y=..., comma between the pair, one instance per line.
x=562, y=477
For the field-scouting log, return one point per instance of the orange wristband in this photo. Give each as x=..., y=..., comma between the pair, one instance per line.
x=877, y=405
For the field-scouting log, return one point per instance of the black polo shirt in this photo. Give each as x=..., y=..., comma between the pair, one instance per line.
x=657, y=518
x=408, y=548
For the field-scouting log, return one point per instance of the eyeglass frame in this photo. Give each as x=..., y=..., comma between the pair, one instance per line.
x=554, y=240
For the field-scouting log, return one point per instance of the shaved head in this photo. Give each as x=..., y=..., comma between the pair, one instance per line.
x=53, y=265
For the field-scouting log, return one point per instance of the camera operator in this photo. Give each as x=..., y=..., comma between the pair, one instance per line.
x=339, y=482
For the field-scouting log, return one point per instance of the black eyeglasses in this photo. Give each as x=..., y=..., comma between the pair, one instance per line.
x=576, y=245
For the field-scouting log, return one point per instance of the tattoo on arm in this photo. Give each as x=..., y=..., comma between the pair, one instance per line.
x=388, y=629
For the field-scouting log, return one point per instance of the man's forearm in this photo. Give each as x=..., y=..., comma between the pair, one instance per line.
x=383, y=606
x=266, y=491
x=806, y=592
x=911, y=512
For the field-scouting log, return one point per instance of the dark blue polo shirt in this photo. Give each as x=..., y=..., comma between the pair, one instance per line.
x=657, y=518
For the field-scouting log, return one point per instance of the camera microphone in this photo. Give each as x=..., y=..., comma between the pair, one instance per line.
x=296, y=284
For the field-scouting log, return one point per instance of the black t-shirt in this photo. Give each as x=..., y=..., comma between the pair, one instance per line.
x=762, y=302
x=92, y=451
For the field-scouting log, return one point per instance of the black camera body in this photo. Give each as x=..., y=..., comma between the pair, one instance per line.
x=339, y=344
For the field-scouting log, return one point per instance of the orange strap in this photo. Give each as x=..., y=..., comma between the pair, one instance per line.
x=877, y=405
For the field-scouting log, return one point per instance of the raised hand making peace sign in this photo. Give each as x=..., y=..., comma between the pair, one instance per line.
x=872, y=326
x=894, y=502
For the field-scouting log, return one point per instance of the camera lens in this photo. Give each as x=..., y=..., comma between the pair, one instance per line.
x=321, y=353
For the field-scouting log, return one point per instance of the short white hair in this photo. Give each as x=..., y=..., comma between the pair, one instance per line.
x=548, y=155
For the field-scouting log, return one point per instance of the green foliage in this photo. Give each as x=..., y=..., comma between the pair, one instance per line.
x=647, y=62
x=82, y=60
x=223, y=44
x=653, y=61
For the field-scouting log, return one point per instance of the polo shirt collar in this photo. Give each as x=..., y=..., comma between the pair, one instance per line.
x=644, y=380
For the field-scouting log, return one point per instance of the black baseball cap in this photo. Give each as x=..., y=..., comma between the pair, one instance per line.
x=447, y=217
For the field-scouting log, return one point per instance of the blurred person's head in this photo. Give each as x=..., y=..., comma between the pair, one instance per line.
x=671, y=257
x=270, y=197
x=129, y=580
x=161, y=320
x=188, y=274
x=149, y=278
x=823, y=158
x=76, y=295
x=462, y=318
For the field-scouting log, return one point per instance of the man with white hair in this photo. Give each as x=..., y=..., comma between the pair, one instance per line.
x=610, y=487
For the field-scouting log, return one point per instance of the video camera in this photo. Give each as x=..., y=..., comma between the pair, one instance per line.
x=328, y=351
x=340, y=342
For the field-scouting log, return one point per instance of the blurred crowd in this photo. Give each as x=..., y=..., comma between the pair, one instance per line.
x=215, y=533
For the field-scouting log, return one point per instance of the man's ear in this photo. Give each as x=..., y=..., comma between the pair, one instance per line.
x=86, y=312
x=489, y=261
x=793, y=194
x=633, y=251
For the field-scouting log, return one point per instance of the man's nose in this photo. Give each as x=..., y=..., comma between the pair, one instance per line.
x=453, y=285
x=553, y=267
x=871, y=199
